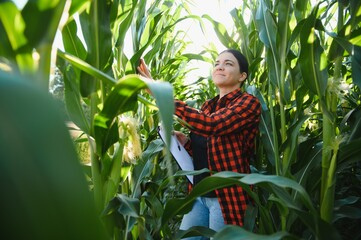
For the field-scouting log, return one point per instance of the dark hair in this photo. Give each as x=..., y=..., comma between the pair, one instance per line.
x=242, y=60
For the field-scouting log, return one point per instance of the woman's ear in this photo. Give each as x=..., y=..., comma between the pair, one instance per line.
x=242, y=77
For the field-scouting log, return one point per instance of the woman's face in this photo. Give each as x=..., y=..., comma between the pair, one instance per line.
x=226, y=72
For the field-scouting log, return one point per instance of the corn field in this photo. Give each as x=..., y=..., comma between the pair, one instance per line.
x=305, y=68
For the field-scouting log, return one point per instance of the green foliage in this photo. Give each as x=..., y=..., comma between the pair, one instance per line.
x=44, y=192
x=89, y=79
x=29, y=46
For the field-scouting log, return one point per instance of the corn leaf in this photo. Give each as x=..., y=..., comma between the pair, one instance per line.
x=275, y=184
x=356, y=66
x=222, y=33
x=123, y=98
x=238, y=233
x=72, y=43
x=35, y=152
x=312, y=58
x=14, y=26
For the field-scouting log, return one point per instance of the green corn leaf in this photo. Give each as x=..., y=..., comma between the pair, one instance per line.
x=195, y=231
x=222, y=33
x=14, y=29
x=144, y=168
x=281, y=182
x=265, y=127
x=292, y=140
x=346, y=201
x=153, y=149
x=48, y=14
x=355, y=10
x=295, y=33
x=14, y=26
x=124, y=23
x=182, y=206
x=86, y=67
x=244, y=32
x=123, y=98
x=349, y=153
x=238, y=233
x=128, y=206
x=312, y=57
x=125, y=209
x=320, y=228
x=301, y=9
x=78, y=6
x=96, y=29
x=36, y=153
x=268, y=35
x=267, y=26
x=191, y=56
x=309, y=158
x=72, y=43
x=154, y=204
x=113, y=178
x=356, y=66
x=347, y=212
x=155, y=39
x=275, y=184
x=344, y=208
x=285, y=13
x=72, y=97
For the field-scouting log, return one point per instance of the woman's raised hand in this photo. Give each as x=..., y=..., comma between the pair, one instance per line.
x=143, y=69
x=144, y=72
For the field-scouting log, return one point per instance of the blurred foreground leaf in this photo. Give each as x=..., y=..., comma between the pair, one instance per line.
x=44, y=194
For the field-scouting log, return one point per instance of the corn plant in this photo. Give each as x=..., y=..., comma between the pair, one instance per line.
x=104, y=26
x=88, y=80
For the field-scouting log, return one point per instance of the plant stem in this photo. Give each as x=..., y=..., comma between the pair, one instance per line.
x=329, y=134
x=329, y=195
x=274, y=129
x=96, y=177
x=328, y=152
x=45, y=48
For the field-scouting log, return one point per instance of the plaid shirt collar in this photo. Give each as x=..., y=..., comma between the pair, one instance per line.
x=226, y=98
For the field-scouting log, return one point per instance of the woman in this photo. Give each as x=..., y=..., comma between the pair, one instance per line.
x=222, y=139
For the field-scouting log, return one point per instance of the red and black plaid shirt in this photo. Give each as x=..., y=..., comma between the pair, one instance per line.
x=230, y=125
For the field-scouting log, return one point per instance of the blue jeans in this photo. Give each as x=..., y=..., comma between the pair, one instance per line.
x=205, y=212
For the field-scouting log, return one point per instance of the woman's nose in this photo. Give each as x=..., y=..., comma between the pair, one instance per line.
x=219, y=67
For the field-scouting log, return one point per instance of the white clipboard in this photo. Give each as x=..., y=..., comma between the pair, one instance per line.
x=184, y=160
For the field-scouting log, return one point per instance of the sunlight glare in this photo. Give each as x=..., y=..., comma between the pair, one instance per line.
x=218, y=10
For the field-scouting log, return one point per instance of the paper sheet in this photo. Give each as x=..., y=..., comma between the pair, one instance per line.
x=179, y=153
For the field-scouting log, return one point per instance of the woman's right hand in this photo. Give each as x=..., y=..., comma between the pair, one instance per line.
x=144, y=72
x=143, y=69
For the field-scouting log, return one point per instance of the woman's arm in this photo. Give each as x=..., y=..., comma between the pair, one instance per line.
x=240, y=114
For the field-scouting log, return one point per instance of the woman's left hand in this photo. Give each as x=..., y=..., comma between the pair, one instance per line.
x=182, y=138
